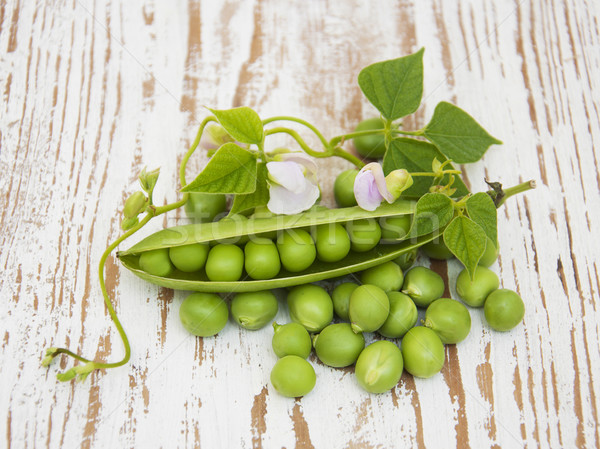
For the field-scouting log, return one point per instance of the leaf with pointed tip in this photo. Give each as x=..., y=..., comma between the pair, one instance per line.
x=466, y=240
x=243, y=124
x=481, y=210
x=260, y=197
x=433, y=212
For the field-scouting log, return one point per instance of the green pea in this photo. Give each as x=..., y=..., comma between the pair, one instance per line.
x=203, y=314
x=379, y=367
x=293, y=376
x=490, y=255
x=423, y=285
x=261, y=258
x=423, y=352
x=343, y=188
x=437, y=250
x=395, y=228
x=372, y=146
x=311, y=306
x=225, y=263
x=503, y=309
x=296, y=249
x=204, y=207
x=254, y=310
x=369, y=308
x=449, y=319
x=364, y=234
x=189, y=258
x=291, y=339
x=403, y=316
x=387, y=276
x=407, y=259
x=156, y=262
x=332, y=242
x=473, y=292
x=341, y=299
x=337, y=345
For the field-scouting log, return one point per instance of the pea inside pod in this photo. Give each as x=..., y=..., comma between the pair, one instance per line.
x=261, y=259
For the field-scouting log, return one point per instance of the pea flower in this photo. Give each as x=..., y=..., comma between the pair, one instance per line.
x=371, y=187
x=292, y=183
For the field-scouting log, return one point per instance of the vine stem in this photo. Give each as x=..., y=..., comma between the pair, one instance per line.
x=301, y=122
x=519, y=188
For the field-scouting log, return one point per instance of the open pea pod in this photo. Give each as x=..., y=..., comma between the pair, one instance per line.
x=239, y=230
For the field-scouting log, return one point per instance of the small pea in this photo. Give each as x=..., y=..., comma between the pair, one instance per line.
x=343, y=188
x=490, y=255
x=225, y=263
x=473, y=292
x=293, y=376
x=423, y=285
x=379, y=367
x=332, y=242
x=341, y=299
x=364, y=234
x=449, y=319
x=403, y=316
x=369, y=308
x=203, y=314
x=423, y=352
x=311, y=306
x=261, y=258
x=407, y=259
x=395, y=228
x=204, y=207
x=437, y=250
x=387, y=276
x=189, y=258
x=156, y=262
x=254, y=310
x=372, y=146
x=337, y=345
x=296, y=249
x=504, y=309
x=291, y=339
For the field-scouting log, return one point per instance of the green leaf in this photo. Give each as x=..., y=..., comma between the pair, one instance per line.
x=466, y=240
x=418, y=156
x=457, y=135
x=433, y=211
x=481, y=210
x=259, y=197
x=243, y=124
x=394, y=87
x=231, y=170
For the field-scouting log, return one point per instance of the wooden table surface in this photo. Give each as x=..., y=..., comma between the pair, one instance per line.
x=93, y=91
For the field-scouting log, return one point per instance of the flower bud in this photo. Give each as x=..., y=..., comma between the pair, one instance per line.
x=134, y=205
x=398, y=181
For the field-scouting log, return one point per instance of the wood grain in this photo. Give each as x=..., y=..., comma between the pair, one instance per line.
x=92, y=91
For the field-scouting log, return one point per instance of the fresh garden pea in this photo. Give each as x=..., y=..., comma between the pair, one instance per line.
x=156, y=262
x=189, y=258
x=341, y=299
x=423, y=352
x=369, y=308
x=372, y=146
x=332, y=242
x=203, y=314
x=395, y=228
x=449, y=319
x=364, y=234
x=403, y=316
x=204, y=207
x=291, y=339
x=254, y=310
x=379, y=367
x=311, y=306
x=296, y=249
x=337, y=345
x=473, y=292
x=261, y=258
x=423, y=285
x=490, y=255
x=437, y=250
x=387, y=276
x=225, y=263
x=503, y=309
x=343, y=188
x=293, y=376
x=407, y=259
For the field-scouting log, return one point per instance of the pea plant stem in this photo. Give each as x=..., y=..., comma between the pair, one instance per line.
x=301, y=122
x=519, y=188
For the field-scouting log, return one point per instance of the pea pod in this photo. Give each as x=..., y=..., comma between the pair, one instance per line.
x=232, y=230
